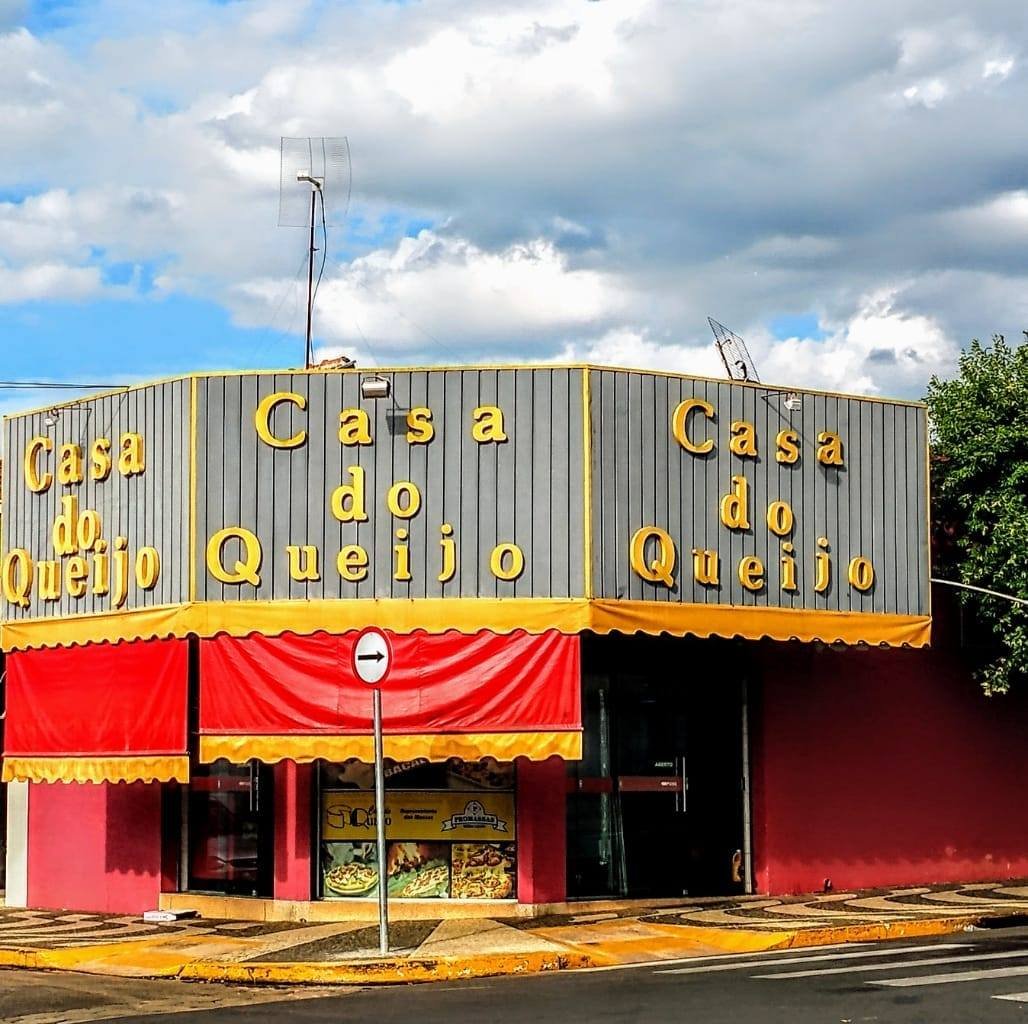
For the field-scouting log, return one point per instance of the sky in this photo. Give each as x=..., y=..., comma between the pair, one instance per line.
x=842, y=182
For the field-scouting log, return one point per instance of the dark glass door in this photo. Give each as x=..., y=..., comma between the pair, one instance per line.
x=650, y=735
x=230, y=827
x=655, y=807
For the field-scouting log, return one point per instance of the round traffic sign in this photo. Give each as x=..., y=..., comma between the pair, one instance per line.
x=372, y=656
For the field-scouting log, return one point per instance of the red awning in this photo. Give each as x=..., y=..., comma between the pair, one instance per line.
x=447, y=695
x=99, y=713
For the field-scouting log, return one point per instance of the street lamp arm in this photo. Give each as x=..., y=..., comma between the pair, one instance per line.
x=981, y=590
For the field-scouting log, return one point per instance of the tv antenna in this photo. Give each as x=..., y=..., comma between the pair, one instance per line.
x=314, y=176
x=734, y=353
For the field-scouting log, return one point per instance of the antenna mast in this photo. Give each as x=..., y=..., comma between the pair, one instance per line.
x=320, y=168
x=308, y=349
x=733, y=352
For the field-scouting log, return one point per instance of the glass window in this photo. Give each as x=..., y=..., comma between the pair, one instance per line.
x=230, y=829
x=450, y=826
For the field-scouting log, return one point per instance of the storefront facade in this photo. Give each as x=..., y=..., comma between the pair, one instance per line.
x=599, y=584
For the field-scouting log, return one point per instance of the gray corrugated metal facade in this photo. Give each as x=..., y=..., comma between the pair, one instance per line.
x=874, y=505
x=528, y=490
x=149, y=509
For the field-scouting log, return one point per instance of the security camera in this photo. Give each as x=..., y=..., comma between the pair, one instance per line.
x=375, y=387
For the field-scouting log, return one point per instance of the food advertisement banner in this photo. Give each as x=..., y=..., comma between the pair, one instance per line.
x=457, y=817
x=420, y=870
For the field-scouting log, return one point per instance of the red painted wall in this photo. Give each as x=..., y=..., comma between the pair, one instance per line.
x=94, y=847
x=878, y=768
x=293, y=823
x=542, y=830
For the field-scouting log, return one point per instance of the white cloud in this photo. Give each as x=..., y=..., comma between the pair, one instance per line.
x=1000, y=68
x=929, y=93
x=599, y=176
x=880, y=349
x=525, y=297
x=633, y=349
x=48, y=281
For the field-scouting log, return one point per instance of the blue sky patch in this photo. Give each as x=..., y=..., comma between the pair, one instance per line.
x=17, y=193
x=797, y=325
x=113, y=340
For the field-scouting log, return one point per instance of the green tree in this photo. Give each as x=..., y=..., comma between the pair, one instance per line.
x=979, y=441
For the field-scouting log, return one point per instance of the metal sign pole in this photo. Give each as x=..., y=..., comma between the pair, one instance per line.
x=380, y=828
x=371, y=659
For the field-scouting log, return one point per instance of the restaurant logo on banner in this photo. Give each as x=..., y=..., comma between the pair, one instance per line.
x=474, y=817
x=349, y=815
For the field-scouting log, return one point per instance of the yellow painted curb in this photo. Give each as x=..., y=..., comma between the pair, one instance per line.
x=667, y=942
x=146, y=959
x=879, y=931
x=387, y=972
x=746, y=940
x=119, y=959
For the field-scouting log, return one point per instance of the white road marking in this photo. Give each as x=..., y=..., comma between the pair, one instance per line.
x=1014, y=997
x=713, y=956
x=949, y=979
x=930, y=962
x=743, y=964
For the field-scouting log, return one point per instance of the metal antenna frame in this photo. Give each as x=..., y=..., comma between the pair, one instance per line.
x=299, y=164
x=308, y=349
x=733, y=352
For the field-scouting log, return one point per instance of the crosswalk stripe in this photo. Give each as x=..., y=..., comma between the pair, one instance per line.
x=665, y=962
x=930, y=962
x=740, y=965
x=791, y=950
x=949, y=979
x=768, y=952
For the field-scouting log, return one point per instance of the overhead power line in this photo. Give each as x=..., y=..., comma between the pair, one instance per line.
x=51, y=385
x=982, y=590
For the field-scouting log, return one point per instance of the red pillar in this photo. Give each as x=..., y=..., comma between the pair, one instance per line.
x=542, y=831
x=293, y=831
x=94, y=846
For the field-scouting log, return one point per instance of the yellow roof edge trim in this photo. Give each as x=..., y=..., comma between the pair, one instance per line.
x=472, y=615
x=305, y=748
x=374, y=370
x=105, y=768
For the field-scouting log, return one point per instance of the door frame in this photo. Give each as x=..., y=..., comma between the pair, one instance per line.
x=599, y=666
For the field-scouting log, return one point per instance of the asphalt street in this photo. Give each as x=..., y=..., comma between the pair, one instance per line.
x=977, y=976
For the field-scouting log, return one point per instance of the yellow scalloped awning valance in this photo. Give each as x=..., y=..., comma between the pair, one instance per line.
x=504, y=746
x=96, y=769
x=470, y=615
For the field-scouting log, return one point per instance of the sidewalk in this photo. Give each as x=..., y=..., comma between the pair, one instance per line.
x=432, y=950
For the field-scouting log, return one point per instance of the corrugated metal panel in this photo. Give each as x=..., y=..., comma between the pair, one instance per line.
x=527, y=490
x=150, y=509
x=873, y=506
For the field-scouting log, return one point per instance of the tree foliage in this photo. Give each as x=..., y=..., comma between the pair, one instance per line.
x=979, y=439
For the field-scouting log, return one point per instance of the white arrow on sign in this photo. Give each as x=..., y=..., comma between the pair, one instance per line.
x=372, y=656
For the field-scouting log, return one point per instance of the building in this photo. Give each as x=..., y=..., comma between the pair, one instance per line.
x=652, y=635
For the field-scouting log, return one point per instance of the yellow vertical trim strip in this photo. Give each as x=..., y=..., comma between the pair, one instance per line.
x=928, y=505
x=587, y=485
x=192, y=488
